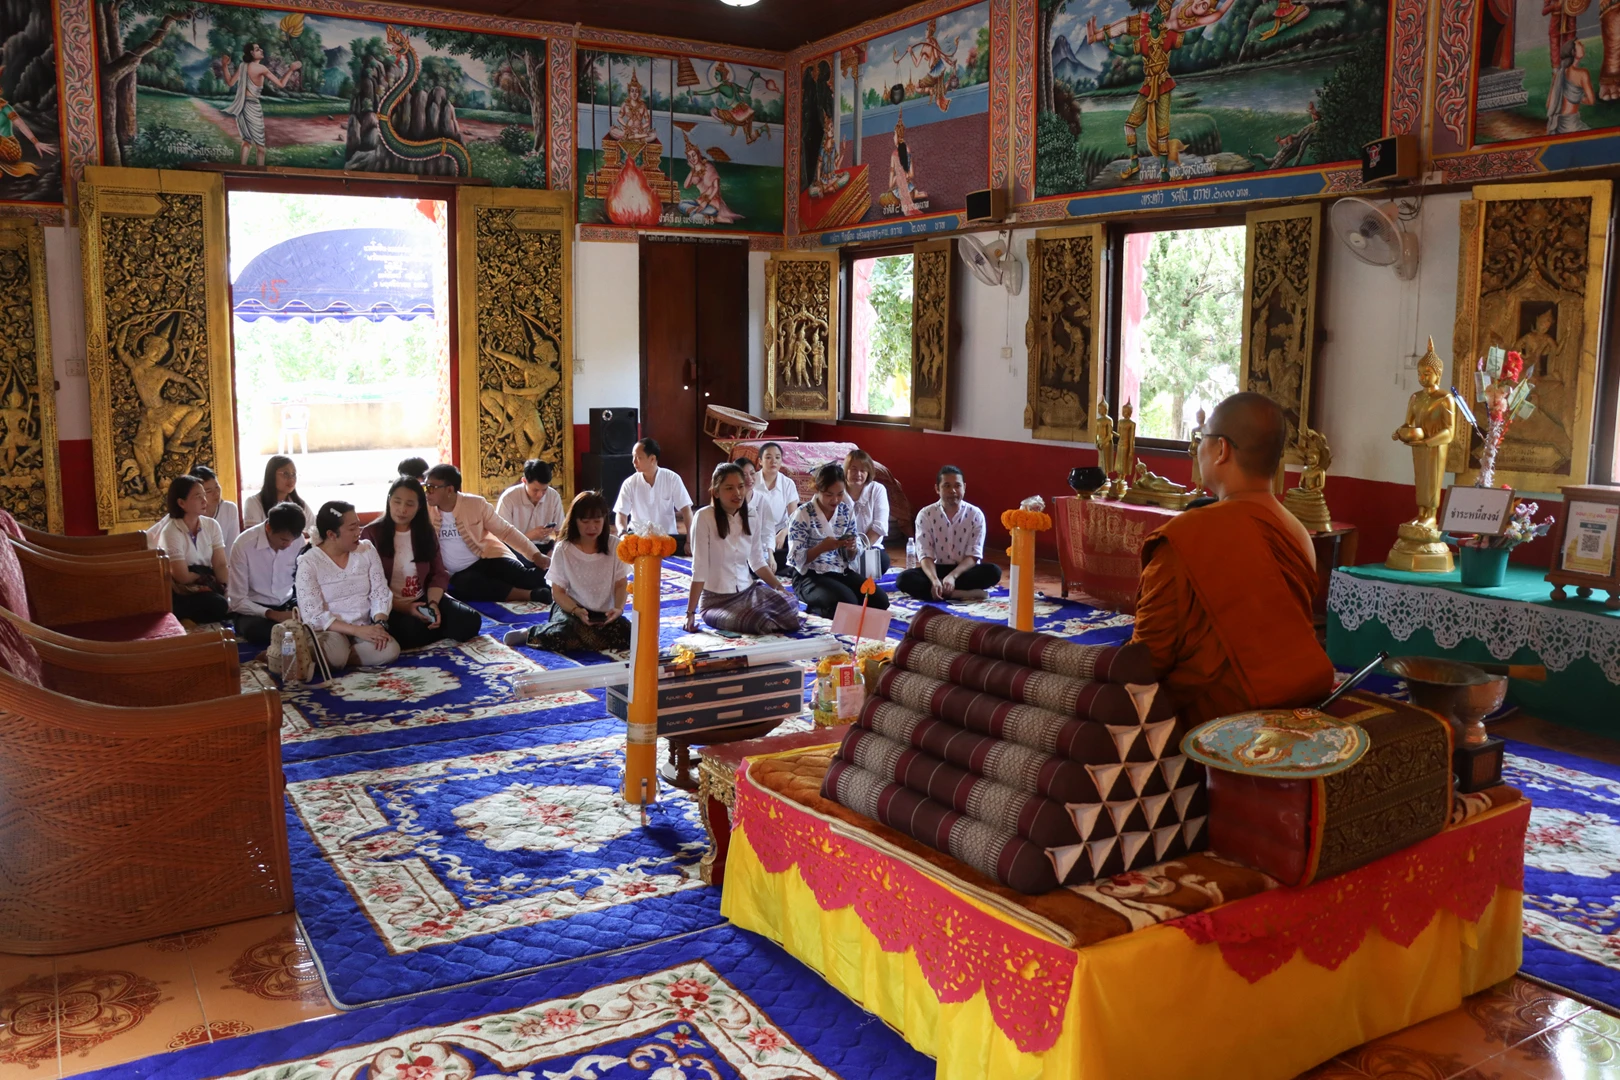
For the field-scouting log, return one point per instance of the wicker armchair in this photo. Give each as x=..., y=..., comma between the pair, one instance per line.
x=103, y=597
x=84, y=545
x=155, y=671
x=119, y=825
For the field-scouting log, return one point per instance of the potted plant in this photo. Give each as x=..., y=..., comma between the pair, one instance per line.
x=1483, y=558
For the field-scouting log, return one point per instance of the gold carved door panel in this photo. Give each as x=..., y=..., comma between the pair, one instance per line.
x=1064, y=333
x=1279, y=311
x=801, y=336
x=933, y=334
x=157, y=336
x=1530, y=280
x=514, y=290
x=30, y=471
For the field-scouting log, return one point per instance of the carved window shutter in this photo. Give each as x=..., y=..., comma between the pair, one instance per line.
x=1279, y=311
x=1064, y=331
x=933, y=333
x=30, y=470
x=801, y=336
x=1530, y=280
x=514, y=295
x=157, y=336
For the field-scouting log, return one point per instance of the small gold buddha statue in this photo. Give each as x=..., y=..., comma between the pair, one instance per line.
x=1103, y=432
x=1125, y=452
x=1150, y=489
x=1431, y=422
x=1307, y=501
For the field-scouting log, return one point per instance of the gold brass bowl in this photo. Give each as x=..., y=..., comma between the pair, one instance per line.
x=1462, y=693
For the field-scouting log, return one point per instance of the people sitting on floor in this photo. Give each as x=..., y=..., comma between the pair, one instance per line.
x=414, y=467
x=729, y=547
x=654, y=497
x=588, y=586
x=533, y=506
x=343, y=592
x=1224, y=601
x=408, y=547
x=824, y=546
x=220, y=508
x=262, y=564
x=198, y=561
x=871, y=502
x=750, y=474
x=778, y=496
x=950, y=546
x=473, y=542
x=280, y=485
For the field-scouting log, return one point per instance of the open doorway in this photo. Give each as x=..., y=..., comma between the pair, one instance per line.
x=341, y=318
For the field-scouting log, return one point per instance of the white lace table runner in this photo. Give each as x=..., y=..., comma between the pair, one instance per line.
x=1559, y=636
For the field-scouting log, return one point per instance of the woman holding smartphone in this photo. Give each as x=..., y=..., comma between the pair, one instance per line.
x=588, y=586
x=823, y=545
x=409, y=549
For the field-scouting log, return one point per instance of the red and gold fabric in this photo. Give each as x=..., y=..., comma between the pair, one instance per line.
x=1100, y=547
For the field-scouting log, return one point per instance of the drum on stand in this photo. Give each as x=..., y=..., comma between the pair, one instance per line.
x=727, y=427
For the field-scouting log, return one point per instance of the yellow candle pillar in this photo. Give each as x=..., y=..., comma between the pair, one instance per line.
x=646, y=555
x=1021, y=615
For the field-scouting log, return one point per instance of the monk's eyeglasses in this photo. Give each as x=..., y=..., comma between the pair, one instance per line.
x=1218, y=435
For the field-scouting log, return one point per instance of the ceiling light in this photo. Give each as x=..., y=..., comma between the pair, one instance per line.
x=740, y=3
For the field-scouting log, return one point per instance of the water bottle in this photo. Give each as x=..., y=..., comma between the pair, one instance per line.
x=289, y=659
x=911, y=553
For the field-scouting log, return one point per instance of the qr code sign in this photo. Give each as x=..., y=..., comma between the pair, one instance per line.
x=1591, y=543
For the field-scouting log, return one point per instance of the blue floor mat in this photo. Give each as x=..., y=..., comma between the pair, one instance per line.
x=1571, y=869
x=722, y=1003
x=425, y=867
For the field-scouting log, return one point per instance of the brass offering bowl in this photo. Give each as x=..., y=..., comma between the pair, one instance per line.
x=1462, y=693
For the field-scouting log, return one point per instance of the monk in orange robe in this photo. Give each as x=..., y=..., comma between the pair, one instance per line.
x=1225, y=597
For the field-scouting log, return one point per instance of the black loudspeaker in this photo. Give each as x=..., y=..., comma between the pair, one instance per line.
x=1389, y=160
x=987, y=205
x=614, y=431
x=605, y=472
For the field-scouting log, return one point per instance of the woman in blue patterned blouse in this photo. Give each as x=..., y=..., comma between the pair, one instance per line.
x=823, y=545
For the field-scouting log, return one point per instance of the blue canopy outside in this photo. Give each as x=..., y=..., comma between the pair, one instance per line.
x=339, y=274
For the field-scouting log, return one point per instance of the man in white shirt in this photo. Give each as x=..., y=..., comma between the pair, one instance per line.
x=950, y=547
x=263, y=561
x=653, y=495
x=474, y=542
x=220, y=508
x=534, y=507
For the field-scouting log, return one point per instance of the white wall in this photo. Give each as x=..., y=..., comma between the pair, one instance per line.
x=607, y=328
x=64, y=294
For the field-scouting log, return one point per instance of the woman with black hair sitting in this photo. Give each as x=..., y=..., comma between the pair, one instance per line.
x=589, y=583
x=280, y=485
x=824, y=543
x=197, y=555
x=408, y=546
x=342, y=592
x=730, y=544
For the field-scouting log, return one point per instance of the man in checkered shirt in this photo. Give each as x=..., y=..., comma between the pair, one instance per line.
x=950, y=546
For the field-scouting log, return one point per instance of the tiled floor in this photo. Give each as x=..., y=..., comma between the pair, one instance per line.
x=70, y=1014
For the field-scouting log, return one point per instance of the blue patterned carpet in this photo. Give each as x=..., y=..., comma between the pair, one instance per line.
x=722, y=1005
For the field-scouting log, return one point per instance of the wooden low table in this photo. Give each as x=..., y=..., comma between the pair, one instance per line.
x=717, y=791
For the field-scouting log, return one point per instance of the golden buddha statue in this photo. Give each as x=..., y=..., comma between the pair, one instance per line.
x=1192, y=451
x=1124, y=452
x=1431, y=420
x=1307, y=501
x=1103, y=432
x=1150, y=489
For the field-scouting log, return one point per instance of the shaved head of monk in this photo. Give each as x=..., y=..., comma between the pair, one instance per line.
x=1242, y=445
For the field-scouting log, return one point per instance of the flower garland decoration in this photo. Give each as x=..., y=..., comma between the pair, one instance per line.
x=1502, y=385
x=1523, y=527
x=1029, y=514
x=633, y=547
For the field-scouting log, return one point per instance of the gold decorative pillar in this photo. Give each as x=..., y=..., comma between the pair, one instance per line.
x=1064, y=331
x=1279, y=311
x=933, y=337
x=801, y=336
x=30, y=470
x=514, y=295
x=157, y=336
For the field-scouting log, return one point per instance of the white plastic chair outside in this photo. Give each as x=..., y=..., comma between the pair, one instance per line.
x=294, y=424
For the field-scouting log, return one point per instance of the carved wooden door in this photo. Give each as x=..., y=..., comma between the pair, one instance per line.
x=801, y=336
x=933, y=333
x=30, y=471
x=157, y=336
x=514, y=294
x=1279, y=312
x=1064, y=333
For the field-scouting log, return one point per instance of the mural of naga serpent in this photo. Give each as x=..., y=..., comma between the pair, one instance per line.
x=413, y=149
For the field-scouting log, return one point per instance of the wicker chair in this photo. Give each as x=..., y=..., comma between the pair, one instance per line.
x=83, y=545
x=157, y=671
x=119, y=825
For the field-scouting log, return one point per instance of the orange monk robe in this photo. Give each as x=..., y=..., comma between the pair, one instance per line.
x=1225, y=606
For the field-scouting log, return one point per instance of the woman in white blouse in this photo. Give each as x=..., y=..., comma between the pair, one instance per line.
x=777, y=496
x=823, y=546
x=343, y=593
x=871, y=502
x=197, y=553
x=728, y=549
x=588, y=586
x=280, y=485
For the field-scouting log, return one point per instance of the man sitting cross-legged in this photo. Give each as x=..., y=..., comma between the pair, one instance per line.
x=263, y=561
x=473, y=541
x=950, y=546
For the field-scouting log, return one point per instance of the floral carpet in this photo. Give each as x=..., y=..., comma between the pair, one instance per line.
x=719, y=1005
x=430, y=866
x=1571, y=870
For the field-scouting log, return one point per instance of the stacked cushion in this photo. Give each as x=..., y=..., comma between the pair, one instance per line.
x=1025, y=756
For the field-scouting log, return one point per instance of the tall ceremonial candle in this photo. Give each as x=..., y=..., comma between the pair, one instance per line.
x=646, y=555
x=1023, y=523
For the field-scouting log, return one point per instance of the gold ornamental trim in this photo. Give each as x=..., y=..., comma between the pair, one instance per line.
x=801, y=336
x=1284, y=247
x=30, y=465
x=933, y=334
x=1063, y=335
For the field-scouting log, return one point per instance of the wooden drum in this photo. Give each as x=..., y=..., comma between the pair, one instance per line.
x=727, y=426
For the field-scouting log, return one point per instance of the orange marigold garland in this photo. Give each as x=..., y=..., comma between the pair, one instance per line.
x=1034, y=520
x=632, y=547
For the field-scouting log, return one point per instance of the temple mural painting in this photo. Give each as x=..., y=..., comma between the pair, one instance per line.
x=1134, y=92
x=30, y=112
x=679, y=141
x=184, y=82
